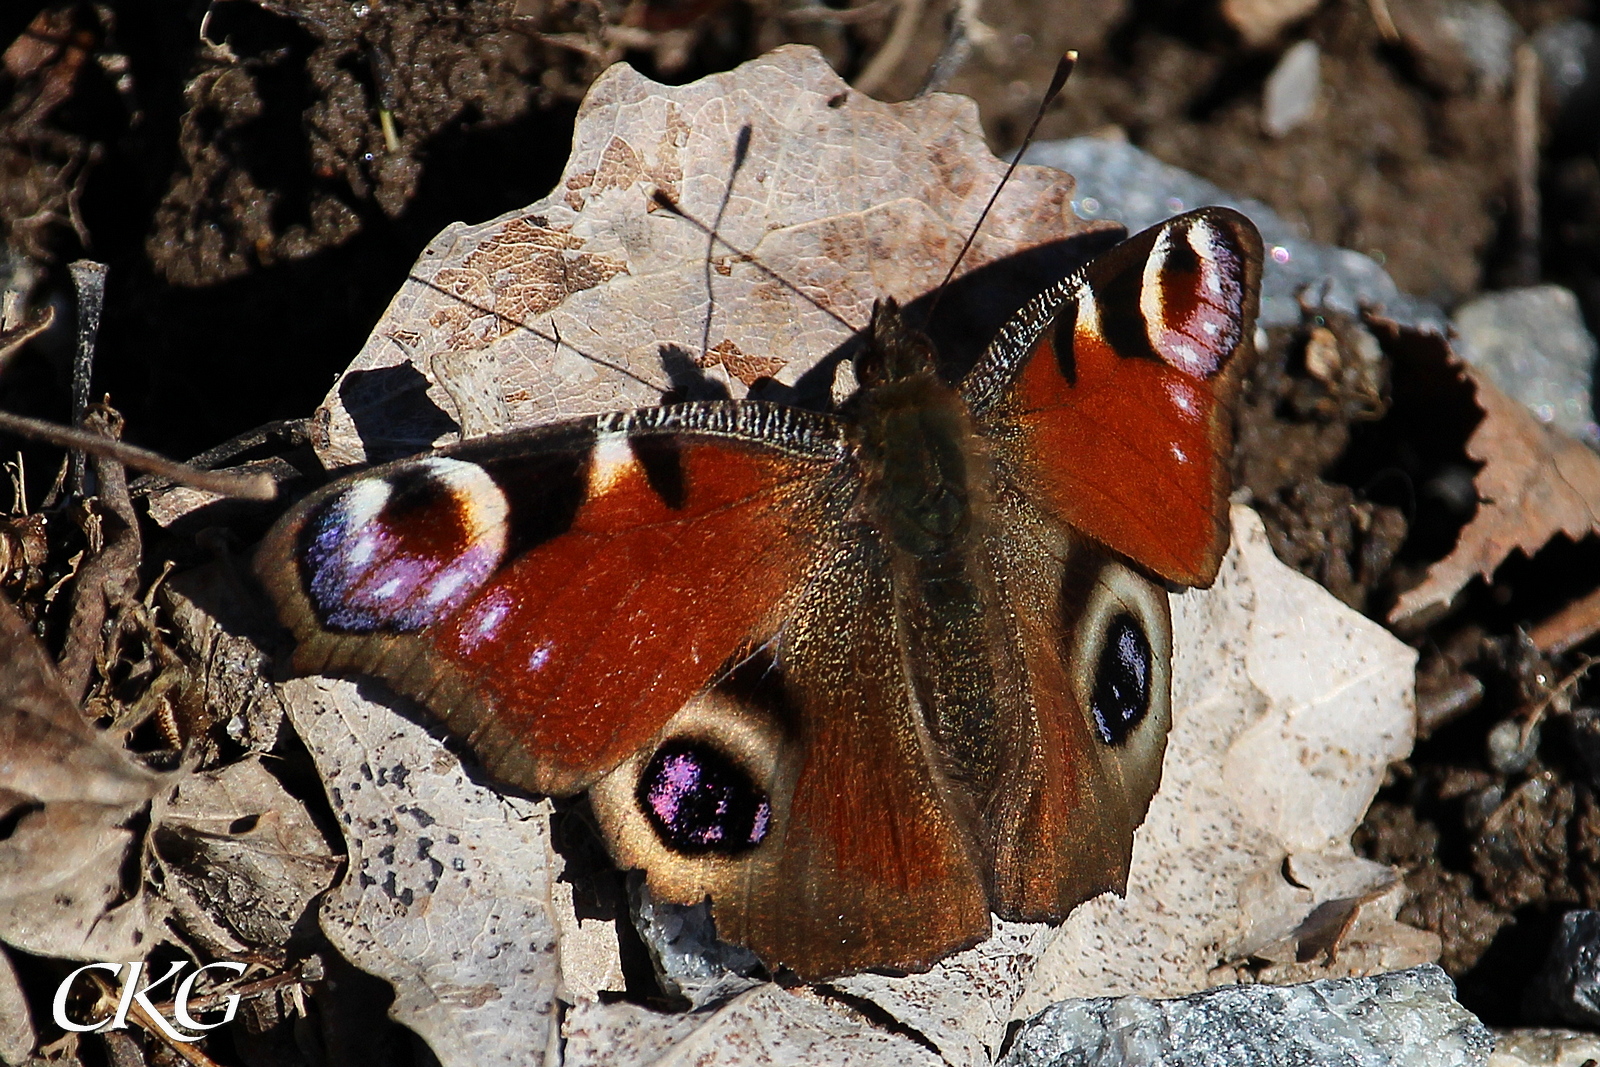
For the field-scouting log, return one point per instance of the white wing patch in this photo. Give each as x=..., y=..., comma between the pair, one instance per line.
x=612, y=460
x=1152, y=302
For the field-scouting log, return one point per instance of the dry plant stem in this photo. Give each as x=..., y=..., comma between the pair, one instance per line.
x=108, y=582
x=982, y=35
x=893, y=52
x=1569, y=627
x=1525, y=146
x=14, y=335
x=953, y=55
x=1385, y=21
x=243, y=990
x=1449, y=702
x=89, y=280
x=185, y=1051
x=1561, y=688
x=242, y=486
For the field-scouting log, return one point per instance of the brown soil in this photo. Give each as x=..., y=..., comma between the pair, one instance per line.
x=260, y=182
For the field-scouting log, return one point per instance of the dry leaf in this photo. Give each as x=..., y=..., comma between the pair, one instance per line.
x=763, y=1027
x=16, y=1023
x=448, y=894
x=594, y=299
x=1535, y=483
x=239, y=851
x=963, y=1006
x=71, y=790
x=212, y=614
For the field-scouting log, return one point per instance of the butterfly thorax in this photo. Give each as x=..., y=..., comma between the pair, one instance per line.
x=913, y=436
x=925, y=490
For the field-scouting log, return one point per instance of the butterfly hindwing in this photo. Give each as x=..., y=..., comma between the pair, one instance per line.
x=1105, y=406
x=868, y=861
x=1084, y=744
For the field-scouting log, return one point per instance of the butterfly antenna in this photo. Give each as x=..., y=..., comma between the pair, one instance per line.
x=1063, y=72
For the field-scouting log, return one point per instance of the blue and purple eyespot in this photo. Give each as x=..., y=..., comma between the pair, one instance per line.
x=699, y=801
x=402, y=551
x=1123, y=680
x=1193, y=297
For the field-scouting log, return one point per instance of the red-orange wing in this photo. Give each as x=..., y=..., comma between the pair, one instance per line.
x=556, y=595
x=1108, y=399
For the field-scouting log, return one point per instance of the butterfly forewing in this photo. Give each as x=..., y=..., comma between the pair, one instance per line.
x=1108, y=400
x=557, y=595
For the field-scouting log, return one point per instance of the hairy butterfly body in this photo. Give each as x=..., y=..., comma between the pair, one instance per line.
x=860, y=678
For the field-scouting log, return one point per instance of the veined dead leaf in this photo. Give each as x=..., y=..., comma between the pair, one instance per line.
x=1535, y=483
x=70, y=790
x=596, y=299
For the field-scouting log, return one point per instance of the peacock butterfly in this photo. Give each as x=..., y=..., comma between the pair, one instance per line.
x=860, y=677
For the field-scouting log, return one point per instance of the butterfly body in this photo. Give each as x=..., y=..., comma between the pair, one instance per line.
x=860, y=678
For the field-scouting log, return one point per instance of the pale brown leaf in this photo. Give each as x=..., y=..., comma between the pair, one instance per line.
x=1535, y=483
x=240, y=851
x=596, y=299
x=448, y=891
x=70, y=789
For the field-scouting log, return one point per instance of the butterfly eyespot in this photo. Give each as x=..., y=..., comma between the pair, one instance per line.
x=398, y=552
x=1120, y=654
x=699, y=801
x=1122, y=680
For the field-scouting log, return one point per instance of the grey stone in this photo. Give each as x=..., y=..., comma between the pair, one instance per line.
x=1390, y=1020
x=1534, y=1047
x=1290, y=94
x=1487, y=36
x=1507, y=751
x=1568, y=988
x=690, y=960
x=1125, y=184
x=1534, y=345
x=1569, y=54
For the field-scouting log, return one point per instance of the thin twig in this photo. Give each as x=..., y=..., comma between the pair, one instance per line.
x=953, y=55
x=243, y=486
x=901, y=37
x=89, y=281
x=14, y=335
x=1525, y=151
x=109, y=997
x=1386, y=27
x=286, y=433
x=1561, y=688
